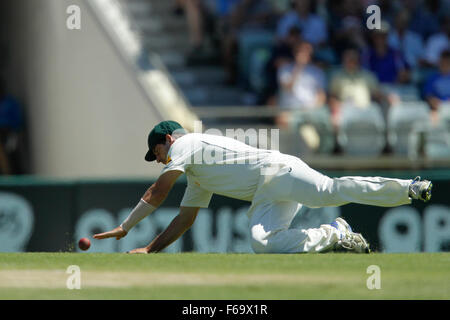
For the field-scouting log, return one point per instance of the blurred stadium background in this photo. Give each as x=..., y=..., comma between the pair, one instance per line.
x=77, y=105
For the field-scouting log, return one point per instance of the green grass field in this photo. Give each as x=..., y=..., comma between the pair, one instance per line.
x=224, y=276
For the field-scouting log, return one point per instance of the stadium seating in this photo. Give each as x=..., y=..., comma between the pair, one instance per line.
x=405, y=121
x=362, y=131
x=438, y=138
x=254, y=52
x=444, y=115
x=150, y=27
x=319, y=119
x=405, y=92
x=437, y=143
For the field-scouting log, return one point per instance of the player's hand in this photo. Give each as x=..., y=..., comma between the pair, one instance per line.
x=117, y=233
x=138, y=250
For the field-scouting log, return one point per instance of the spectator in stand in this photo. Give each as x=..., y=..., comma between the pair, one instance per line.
x=314, y=29
x=247, y=17
x=352, y=84
x=424, y=16
x=387, y=63
x=223, y=11
x=405, y=41
x=437, y=43
x=302, y=85
x=282, y=54
x=10, y=125
x=194, y=10
x=437, y=87
x=225, y=7
x=346, y=25
x=388, y=9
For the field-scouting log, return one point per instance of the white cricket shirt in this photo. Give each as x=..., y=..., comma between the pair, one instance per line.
x=216, y=164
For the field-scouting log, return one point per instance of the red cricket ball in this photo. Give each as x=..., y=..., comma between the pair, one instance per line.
x=84, y=243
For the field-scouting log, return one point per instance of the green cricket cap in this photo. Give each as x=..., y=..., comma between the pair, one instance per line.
x=158, y=135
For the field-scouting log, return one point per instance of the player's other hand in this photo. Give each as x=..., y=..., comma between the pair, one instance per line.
x=138, y=250
x=117, y=233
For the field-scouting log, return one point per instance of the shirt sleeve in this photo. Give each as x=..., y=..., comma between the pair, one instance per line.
x=175, y=166
x=195, y=196
x=180, y=155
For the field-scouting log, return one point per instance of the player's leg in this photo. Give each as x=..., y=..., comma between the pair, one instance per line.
x=269, y=227
x=270, y=233
x=298, y=182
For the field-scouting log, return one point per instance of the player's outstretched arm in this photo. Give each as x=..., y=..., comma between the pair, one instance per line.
x=152, y=198
x=158, y=192
x=179, y=225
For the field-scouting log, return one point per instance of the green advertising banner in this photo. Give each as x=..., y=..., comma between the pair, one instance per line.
x=42, y=215
x=36, y=217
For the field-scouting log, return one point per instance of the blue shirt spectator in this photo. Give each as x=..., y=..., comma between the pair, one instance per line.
x=10, y=113
x=438, y=85
x=437, y=43
x=407, y=42
x=437, y=88
x=423, y=21
x=386, y=67
x=225, y=7
x=384, y=61
x=10, y=124
x=314, y=29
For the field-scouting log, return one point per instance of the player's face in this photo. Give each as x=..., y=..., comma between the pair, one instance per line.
x=160, y=151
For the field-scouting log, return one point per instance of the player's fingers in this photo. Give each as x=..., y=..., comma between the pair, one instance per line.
x=104, y=235
x=138, y=251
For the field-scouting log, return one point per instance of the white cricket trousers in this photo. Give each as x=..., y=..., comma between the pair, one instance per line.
x=288, y=183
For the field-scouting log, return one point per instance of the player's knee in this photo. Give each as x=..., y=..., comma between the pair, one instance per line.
x=264, y=241
x=259, y=241
x=259, y=247
x=267, y=247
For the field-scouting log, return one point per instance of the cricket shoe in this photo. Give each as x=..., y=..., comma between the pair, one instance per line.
x=420, y=190
x=349, y=240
